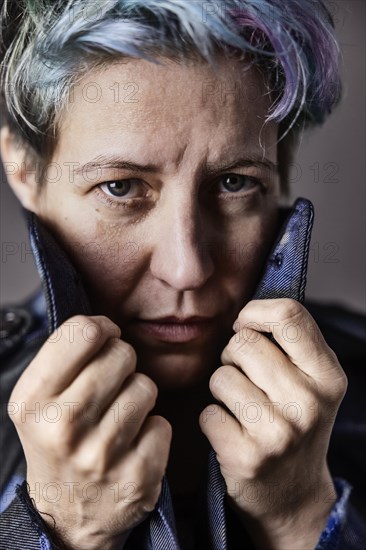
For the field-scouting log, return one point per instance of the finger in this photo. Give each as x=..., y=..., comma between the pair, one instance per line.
x=152, y=446
x=225, y=434
x=66, y=352
x=263, y=363
x=102, y=378
x=241, y=397
x=295, y=331
x=122, y=421
x=145, y=464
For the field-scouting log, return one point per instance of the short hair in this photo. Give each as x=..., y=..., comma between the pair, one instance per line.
x=47, y=45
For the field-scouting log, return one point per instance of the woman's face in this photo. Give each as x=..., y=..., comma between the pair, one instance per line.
x=165, y=196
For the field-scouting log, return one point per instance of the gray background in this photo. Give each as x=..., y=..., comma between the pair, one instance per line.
x=329, y=170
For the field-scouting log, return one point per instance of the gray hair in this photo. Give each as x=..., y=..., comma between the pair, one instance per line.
x=49, y=45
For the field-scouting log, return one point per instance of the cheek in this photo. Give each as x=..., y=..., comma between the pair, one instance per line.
x=246, y=251
x=107, y=255
x=109, y=266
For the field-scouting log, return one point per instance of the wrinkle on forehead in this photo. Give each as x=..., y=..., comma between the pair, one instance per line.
x=166, y=110
x=149, y=92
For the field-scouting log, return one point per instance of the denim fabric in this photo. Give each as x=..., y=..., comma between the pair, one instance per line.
x=8, y=494
x=285, y=272
x=20, y=529
x=330, y=535
x=284, y=276
x=62, y=287
x=344, y=529
x=159, y=530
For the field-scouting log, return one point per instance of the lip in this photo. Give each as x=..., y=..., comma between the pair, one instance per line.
x=178, y=320
x=175, y=329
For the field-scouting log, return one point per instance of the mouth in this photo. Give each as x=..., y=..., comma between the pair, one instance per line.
x=175, y=329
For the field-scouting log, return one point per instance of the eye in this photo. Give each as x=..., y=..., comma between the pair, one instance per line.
x=235, y=183
x=129, y=188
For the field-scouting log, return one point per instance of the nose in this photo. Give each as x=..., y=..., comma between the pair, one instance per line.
x=180, y=257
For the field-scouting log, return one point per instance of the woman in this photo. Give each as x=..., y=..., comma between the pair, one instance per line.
x=150, y=143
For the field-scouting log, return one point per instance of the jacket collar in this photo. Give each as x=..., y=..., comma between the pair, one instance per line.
x=62, y=287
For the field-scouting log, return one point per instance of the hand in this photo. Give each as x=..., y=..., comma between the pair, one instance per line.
x=95, y=460
x=272, y=448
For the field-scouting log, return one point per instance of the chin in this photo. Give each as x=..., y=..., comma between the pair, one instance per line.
x=173, y=372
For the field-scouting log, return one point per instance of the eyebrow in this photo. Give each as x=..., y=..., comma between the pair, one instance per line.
x=113, y=162
x=244, y=162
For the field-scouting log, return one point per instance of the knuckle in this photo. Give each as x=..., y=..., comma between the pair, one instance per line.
x=221, y=375
x=284, y=438
x=140, y=472
x=64, y=442
x=243, y=341
x=166, y=427
x=309, y=423
x=242, y=351
x=216, y=377
x=24, y=403
x=13, y=410
x=163, y=426
x=287, y=309
x=74, y=330
x=104, y=319
x=149, y=387
x=253, y=468
x=128, y=352
x=328, y=355
x=308, y=397
x=88, y=463
x=342, y=383
x=238, y=344
x=339, y=386
x=251, y=465
x=289, y=439
x=115, y=350
x=80, y=320
x=149, y=504
x=209, y=415
x=309, y=414
x=226, y=355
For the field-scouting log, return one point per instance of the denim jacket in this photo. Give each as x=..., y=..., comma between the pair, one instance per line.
x=25, y=329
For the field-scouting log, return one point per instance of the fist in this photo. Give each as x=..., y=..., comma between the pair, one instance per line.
x=271, y=430
x=95, y=458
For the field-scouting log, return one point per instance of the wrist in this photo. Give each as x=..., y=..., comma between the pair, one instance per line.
x=294, y=527
x=64, y=536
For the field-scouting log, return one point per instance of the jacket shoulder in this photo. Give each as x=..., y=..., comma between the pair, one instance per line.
x=345, y=333
x=23, y=330
x=343, y=329
x=21, y=323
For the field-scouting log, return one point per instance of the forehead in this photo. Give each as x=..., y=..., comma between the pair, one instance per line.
x=147, y=104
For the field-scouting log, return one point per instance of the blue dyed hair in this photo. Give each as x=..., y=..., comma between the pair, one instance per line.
x=47, y=45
